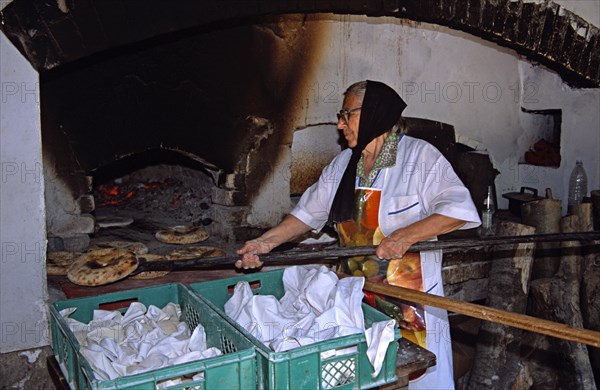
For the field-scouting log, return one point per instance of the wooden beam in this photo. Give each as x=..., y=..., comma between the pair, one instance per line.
x=520, y=321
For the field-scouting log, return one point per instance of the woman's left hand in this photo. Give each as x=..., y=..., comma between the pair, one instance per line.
x=393, y=246
x=396, y=244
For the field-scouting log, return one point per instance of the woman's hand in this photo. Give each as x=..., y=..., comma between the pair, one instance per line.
x=393, y=246
x=250, y=252
x=290, y=228
x=396, y=244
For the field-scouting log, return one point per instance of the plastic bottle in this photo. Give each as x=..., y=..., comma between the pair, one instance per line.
x=577, y=184
x=487, y=213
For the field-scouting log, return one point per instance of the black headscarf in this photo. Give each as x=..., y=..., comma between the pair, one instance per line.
x=381, y=110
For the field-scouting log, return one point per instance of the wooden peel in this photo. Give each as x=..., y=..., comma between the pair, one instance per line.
x=295, y=257
x=520, y=321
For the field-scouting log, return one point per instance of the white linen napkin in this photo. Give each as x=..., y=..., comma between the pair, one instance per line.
x=138, y=341
x=316, y=306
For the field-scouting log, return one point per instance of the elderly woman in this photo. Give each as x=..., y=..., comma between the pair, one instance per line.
x=390, y=190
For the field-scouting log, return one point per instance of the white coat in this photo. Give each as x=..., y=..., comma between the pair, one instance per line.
x=421, y=183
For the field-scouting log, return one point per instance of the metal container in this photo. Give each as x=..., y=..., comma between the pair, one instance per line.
x=516, y=199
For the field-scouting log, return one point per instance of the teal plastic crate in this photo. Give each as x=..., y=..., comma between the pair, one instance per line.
x=235, y=369
x=303, y=367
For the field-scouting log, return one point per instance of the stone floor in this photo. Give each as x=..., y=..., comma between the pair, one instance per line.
x=25, y=369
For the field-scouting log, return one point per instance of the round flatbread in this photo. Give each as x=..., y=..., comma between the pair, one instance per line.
x=193, y=252
x=62, y=258
x=150, y=274
x=136, y=247
x=183, y=234
x=57, y=263
x=102, y=266
x=106, y=222
x=56, y=270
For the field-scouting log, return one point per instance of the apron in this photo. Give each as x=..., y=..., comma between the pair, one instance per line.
x=362, y=230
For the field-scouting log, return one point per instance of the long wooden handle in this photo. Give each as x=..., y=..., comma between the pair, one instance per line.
x=295, y=257
x=520, y=321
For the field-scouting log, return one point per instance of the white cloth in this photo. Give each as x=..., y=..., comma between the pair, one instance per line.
x=316, y=306
x=421, y=183
x=138, y=341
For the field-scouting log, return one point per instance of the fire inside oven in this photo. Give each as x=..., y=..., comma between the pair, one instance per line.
x=132, y=205
x=179, y=191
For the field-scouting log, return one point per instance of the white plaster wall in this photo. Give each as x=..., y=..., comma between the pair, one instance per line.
x=472, y=84
x=589, y=10
x=269, y=205
x=4, y=3
x=580, y=134
x=308, y=156
x=23, y=291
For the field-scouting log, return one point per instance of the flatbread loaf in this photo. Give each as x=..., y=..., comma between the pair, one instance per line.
x=193, y=252
x=183, y=234
x=57, y=263
x=150, y=274
x=106, y=222
x=136, y=247
x=102, y=266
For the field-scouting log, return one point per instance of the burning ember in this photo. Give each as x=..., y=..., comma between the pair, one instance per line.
x=165, y=199
x=117, y=193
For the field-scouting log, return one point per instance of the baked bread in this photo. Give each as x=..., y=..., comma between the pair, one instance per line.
x=150, y=274
x=193, y=252
x=136, y=247
x=57, y=263
x=102, y=266
x=106, y=222
x=182, y=234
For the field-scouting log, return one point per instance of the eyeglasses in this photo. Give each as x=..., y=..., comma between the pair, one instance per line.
x=345, y=114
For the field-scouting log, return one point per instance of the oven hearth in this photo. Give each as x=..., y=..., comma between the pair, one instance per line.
x=172, y=194
x=153, y=198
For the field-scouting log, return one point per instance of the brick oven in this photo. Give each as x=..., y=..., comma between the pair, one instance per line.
x=216, y=90
x=202, y=102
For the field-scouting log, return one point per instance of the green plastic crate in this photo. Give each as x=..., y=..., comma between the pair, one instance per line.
x=235, y=369
x=303, y=368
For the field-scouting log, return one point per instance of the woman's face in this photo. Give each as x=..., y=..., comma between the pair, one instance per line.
x=350, y=127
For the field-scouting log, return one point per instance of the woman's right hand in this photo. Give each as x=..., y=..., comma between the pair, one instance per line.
x=250, y=252
x=288, y=229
